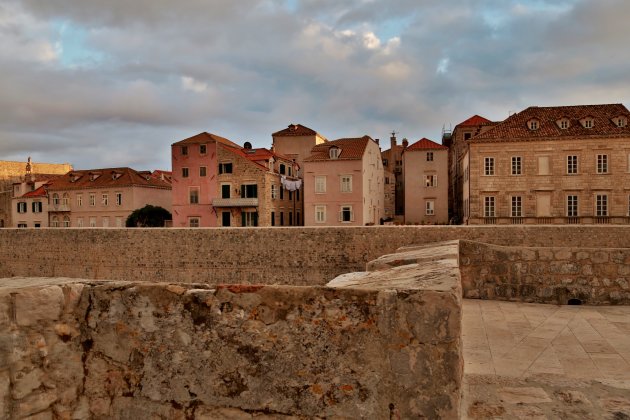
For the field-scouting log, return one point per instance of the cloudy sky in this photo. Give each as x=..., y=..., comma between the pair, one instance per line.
x=113, y=83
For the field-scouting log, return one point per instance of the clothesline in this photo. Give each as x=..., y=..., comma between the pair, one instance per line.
x=290, y=185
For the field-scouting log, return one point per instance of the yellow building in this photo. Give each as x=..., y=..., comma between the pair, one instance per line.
x=550, y=165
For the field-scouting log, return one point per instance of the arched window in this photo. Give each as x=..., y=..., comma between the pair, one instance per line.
x=66, y=199
x=55, y=199
x=54, y=220
x=66, y=221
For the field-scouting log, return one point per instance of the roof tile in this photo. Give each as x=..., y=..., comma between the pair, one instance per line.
x=351, y=149
x=425, y=144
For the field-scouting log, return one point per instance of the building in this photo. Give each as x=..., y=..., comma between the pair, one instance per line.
x=425, y=169
x=219, y=183
x=104, y=197
x=457, y=141
x=550, y=165
x=343, y=183
x=393, y=163
x=14, y=172
x=30, y=201
x=390, y=195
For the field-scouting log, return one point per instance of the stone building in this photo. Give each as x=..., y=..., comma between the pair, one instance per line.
x=343, y=183
x=393, y=162
x=456, y=142
x=550, y=165
x=14, y=172
x=390, y=195
x=219, y=183
x=425, y=173
x=104, y=197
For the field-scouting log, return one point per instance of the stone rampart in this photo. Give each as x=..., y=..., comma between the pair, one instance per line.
x=298, y=256
x=96, y=349
x=593, y=276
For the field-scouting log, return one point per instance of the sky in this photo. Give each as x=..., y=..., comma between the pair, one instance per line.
x=114, y=83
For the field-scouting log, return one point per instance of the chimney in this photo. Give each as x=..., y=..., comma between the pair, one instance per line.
x=377, y=141
x=405, y=143
x=392, y=140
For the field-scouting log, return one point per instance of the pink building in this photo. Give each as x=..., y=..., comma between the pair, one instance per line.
x=30, y=202
x=343, y=183
x=218, y=183
x=425, y=171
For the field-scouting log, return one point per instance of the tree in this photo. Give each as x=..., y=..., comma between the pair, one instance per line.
x=148, y=216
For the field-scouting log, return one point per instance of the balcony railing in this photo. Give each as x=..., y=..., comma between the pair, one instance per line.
x=59, y=207
x=489, y=220
x=235, y=202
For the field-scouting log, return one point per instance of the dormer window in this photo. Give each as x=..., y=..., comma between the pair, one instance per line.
x=563, y=123
x=588, y=122
x=116, y=175
x=533, y=124
x=94, y=176
x=334, y=152
x=620, y=121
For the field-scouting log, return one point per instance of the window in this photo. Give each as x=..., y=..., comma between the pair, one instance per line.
x=517, y=206
x=273, y=218
x=429, y=208
x=79, y=200
x=202, y=171
x=346, y=183
x=21, y=207
x=489, y=166
x=297, y=195
x=290, y=218
x=22, y=225
x=588, y=123
x=249, y=218
x=249, y=191
x=563, y=123
x=105, y=221
x=290, y=195
x=184, y=150
x=297, y=219
x=430, y=181
x=281, y=192
x=119, y=199
x=66, y=221
x=193, y=194
x=429, y=156
x=281, y=218
x=225, y=218
x=225, y=168
x=37, y=224
x=80, y=222
x=92, y=221
x=345, y=215
x=517, y=165
x=193, y=222
x=602, y=164
x=55, y=199
x=37, y=206
x=65, y=199
x=105, y=199
x=572, y=164
x=283, y=169
x=601, y=205
x=92, y=199
x=467, y=136
x=572, y=206
x=320, y=214
x=184, y=172
x=320, y=184
x=385, y=162
x=54, y=221
x=202, y=149
x=489, y=208
x=628, y=206
x=533, y=124
x=334, y=152
x=225, y=190
x=621, y=121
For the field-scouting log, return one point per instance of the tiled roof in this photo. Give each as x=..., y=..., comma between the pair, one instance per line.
x=295, y=130
x=105, y=178
x=474, y=121
x=38, y=192
x=515, y=127
x=205, y=137
x=351, y=149
x=425, y=144
x=258, y=155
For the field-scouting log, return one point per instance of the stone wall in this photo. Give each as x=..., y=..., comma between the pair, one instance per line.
x=89, y=349
x=593, y=276
x=295, y=255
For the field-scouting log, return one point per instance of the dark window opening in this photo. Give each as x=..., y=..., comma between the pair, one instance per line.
x=249, y=191
x=225, y=168
x=281, y=218
x=225, y=218
x=273, y=218
x=283, y=169
x=225, y=191
x=574, y=302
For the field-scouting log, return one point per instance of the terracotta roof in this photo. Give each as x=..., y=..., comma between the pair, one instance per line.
x=106, y=178
x=37, y=192
x=295, y=130
x=425, y=144
x=258, y=155
x=351, y=149
x=205, y=137
x=475, y=120
x=515, y=127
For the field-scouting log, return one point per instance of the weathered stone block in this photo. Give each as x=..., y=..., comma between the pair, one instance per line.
x=33, y=305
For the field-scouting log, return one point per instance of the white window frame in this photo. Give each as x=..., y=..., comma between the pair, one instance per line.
x=274, y=191
x=203, y=171
x=341, y=213
x=489, y=206
x=517, y=165
x=345, y=182
x=320, y=184
x=516, y=209
x=55, y=199
x=429, y=156
x=105, y=221
x=572, y=205
x=92, y=199
x=104, y=199
x=194, y=222
x=38, y=206
x=65, y=200
x=320, y=214
x=430, y=181
x=429, y=208
x=119, y=222
x=602, y=164
x=22, y=207
x=79, y=200
x=573, y=163
x=54, y=221
x=92, y=221
x=119, y=199
x=80, y=222
x=488, y=166
x=601, y=205
x=190, y=195
x=66, y=221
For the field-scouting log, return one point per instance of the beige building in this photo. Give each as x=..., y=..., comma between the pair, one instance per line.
x=343, y=183
x=18, y=172
x=105, y=197
x=425, y=166
x=550, y=165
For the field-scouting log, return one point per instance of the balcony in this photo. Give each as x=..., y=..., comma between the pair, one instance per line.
x=59, y=207
x=235, y=202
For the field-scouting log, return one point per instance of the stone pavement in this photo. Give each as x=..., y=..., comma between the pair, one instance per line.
x=546, y=361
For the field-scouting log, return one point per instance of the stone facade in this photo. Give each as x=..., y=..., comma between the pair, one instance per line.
x=392, y=162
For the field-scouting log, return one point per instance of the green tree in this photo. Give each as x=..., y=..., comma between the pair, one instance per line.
x=148, y=216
